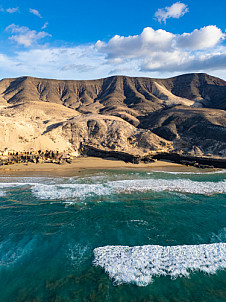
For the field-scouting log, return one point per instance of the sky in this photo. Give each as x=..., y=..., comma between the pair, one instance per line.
x=89, y=39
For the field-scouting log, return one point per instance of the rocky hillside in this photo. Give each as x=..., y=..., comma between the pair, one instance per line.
x=185, y=114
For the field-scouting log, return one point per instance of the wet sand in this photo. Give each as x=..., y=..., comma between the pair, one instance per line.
x=78, y=166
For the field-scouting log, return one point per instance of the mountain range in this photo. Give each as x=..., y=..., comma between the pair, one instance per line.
x=139, y=116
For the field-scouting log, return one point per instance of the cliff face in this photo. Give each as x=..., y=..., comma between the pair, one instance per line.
x=133, y=115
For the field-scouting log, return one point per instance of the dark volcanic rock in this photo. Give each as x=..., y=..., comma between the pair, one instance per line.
x=189, y=127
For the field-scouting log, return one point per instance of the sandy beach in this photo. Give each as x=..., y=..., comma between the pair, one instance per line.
x=78, y=165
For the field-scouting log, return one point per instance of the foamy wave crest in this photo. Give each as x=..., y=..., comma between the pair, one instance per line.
x=139, y=264
x=5, y=186
x=69, y=191
x=191, y=173
x=12, y=184
x=2, y=193
x=177, y=185
x=80, y=191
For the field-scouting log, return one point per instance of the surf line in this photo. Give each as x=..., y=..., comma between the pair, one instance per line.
x=139, y=264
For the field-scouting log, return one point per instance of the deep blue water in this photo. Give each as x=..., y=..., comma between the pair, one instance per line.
x=49, y=228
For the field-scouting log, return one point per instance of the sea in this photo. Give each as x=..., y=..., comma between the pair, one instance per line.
x=113, y=235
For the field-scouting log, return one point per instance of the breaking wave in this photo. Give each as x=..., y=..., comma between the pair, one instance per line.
x=70, y=191
x=190, y=173
x=2, y=193
x=101, y=185
x=178, y=185
x=81, y=191
x=139, y=264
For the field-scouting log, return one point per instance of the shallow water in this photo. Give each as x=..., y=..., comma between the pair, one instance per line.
x=113, y=236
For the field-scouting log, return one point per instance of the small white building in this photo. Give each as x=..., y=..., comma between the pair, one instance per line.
x=6, y=152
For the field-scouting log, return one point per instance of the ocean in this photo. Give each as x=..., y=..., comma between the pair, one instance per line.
x=113, y=235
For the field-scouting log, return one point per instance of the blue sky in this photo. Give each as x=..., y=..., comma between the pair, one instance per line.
x=93, y=39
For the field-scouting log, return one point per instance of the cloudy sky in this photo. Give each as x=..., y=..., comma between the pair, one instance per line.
x=89, y=39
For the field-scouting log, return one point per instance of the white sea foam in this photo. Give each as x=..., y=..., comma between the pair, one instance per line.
x=12, y=184
x=80, y=191
x=79, y=253
x=139, y=264
x=190, y=173
x=2, y=193
x=69, y=191
x=178, y=185
x=52, y=190
x=27, y=180
x=5, y=186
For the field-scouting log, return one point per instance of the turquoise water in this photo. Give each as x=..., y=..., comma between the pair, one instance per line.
x=51, y=228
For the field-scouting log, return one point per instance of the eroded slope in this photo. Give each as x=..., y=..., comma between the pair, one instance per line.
x=124, y=114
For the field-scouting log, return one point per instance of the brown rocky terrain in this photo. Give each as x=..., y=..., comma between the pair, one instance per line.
x=137, y=116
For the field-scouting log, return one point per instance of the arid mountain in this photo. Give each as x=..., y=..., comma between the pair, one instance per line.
x=134, y=115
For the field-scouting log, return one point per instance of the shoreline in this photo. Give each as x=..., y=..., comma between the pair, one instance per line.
x=81, y=164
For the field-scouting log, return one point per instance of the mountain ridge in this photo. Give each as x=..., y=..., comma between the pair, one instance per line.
x=194, y=86
x=137, y=115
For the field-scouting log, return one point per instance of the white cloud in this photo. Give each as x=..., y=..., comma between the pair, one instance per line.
x=152, y=53
x=78, y=67
x=164, y=60
x=176, y=10
x=12, y=10
x=45, y=25
x=35, y=12
x=151, y=41
x=184, y=62
x=132, y=46
x=62, y=63
x=206, y=37
x=155, y=51
x=24, y=36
